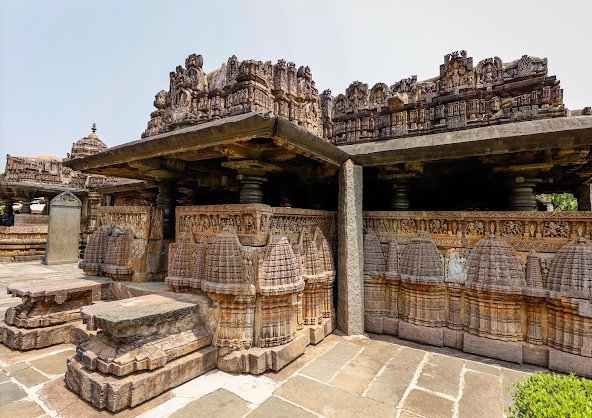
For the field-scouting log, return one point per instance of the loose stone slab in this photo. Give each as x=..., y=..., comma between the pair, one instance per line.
x=141, y=333
x=49, y=311
x=148, y=344
x=117, y=393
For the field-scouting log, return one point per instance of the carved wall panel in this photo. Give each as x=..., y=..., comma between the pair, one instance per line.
x=515, y=277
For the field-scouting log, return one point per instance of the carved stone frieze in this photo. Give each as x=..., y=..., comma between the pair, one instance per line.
x=462, y=96
x=522, y=279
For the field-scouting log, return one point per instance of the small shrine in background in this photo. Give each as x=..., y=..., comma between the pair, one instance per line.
x=31, y=182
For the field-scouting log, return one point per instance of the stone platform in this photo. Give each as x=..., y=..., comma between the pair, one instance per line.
x=145, y=346
x=48, y=312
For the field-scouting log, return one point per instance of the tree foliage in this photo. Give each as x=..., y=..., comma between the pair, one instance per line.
x=549, y=395
x=562, y=202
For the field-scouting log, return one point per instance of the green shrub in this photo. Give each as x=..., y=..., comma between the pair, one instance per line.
x=544, y=395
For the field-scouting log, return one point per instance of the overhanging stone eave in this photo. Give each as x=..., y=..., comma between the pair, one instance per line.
x=301, y=141
x=221, y=131
x=499, y=139
x=11, y=189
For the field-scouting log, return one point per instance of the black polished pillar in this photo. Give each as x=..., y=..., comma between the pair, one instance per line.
x=522, y=194
x=165, y=199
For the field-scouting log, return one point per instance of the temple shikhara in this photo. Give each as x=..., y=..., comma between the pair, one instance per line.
x=255, y=216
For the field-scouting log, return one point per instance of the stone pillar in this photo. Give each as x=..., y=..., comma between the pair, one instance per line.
x=523, y=197
x=166, y=200
x=251, y=188
x=251, y=174
x=400, y=199
x=94, y=200
x=350, y=277
x=584, y=196
x=7, y=210
x=63, y=235
x=25, y=206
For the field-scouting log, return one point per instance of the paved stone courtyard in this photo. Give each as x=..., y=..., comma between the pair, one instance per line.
x=340, y=377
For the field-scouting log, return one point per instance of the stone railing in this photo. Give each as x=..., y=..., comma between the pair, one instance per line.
x=510, y=285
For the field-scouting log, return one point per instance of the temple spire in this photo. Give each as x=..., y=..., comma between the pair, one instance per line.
x=94, y=128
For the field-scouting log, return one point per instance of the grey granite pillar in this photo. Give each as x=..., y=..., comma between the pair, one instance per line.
x=166, y=200
x=350, y=275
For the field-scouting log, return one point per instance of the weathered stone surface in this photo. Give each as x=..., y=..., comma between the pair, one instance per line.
x=428, y=405
x=28, y=377
x=34, y=338
x=431, y=336
x=481, y=396
x=482, y=368
x=503, y=350
x=22, y=409
x=279, y=408
x=259, y=360
x=533, y=354
x=57, y=397
x=350, y=279
x=115, y=394
x=329, y=401
x=358, y=374
x=326, y=365
x=10, y=392
x=63, y=236
x=53, y=364
x=219, y=403
x=391, y=385
x=440, y=374
x=567, y=363
x=453, y=338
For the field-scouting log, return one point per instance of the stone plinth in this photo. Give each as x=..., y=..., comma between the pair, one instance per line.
x=63, y=236
x=147, y=344
x=49, y=311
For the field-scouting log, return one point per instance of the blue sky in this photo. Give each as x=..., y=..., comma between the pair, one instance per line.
x=65, y=64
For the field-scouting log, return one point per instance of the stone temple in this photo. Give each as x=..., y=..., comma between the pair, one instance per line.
x=273, y=215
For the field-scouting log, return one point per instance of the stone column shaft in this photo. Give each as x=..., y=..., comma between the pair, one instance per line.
x=350, y=277
x=166, y=200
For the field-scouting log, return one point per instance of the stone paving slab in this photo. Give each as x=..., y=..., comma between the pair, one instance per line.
x=276, y=407
x=330, y=401
x=218, y=404
x=10, y=392
x=29, y=377
x=53, y=364
x=392, y=384
x=359, y=373
x=482, y=396
x=441, y=374
x=22, y=409
x=429, y=405
x=325, y=366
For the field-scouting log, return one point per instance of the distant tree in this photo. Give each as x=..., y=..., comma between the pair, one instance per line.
x=562, y=202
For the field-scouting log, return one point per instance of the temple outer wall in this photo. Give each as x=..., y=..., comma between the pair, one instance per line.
x=64, y=230
x=350, y=275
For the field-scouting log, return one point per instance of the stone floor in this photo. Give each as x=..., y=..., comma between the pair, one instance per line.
x=340, y=377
